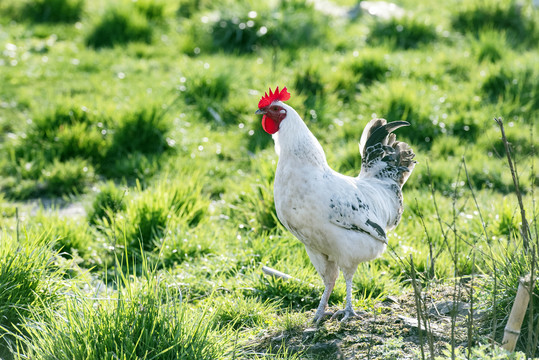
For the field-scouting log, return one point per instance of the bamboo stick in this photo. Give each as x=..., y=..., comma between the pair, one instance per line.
x=512, y=329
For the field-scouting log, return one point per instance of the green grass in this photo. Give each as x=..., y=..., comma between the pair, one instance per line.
x=30, y=284
x=142, y=321
x=119, y=25
x=109, y=200
x=47, y=11
x=405, y=33
x=241, y=29
x=62, y=151
x=142, y=113
x=515, y=19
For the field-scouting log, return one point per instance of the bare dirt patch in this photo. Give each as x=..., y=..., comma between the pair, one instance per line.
x=388, y=331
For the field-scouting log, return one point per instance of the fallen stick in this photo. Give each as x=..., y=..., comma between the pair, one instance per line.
x=518, y=311
x=276, y=273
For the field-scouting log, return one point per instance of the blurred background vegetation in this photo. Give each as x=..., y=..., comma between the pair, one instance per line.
x=140, y=116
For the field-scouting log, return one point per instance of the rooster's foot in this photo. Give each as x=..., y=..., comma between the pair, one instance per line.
x=348, y=314
x=318, y=317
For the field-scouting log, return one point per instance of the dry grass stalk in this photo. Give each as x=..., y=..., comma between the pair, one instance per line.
x=525, y=229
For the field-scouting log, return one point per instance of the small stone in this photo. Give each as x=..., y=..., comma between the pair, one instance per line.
x=447, y=308
x=412, y=323
x=309, y=333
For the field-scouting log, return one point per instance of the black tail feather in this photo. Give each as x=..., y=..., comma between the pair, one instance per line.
x=380, y=134
x=379, y=145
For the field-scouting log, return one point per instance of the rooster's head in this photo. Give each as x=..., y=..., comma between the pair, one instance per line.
x=273, y=109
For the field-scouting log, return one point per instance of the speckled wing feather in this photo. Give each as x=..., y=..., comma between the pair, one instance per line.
x=350, y=212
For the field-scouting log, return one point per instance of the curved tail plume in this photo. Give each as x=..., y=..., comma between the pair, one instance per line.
x=382, y=155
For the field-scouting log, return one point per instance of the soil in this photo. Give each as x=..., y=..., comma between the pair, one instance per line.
x=389, y=331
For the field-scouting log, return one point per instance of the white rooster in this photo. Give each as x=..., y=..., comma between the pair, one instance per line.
x=341, y=220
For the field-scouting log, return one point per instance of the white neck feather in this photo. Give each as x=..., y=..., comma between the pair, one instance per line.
x=295, y=140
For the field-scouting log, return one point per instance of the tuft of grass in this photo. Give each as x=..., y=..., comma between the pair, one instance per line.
x=151, y=213
x=237, y=32
x=511, y=264
x=507, y=224
x=512, y=83
x=185, y=244
x=53, y=179
x=69, y=177
x=242, y=313
x=290, y=25
x=208, y=93
x=72, y=238
x=208, y=86
x=368, y=284
x=108, y=201
x=368, y=68
x=56, y=156
x=138, y=139
x=296, y=24
x=403, y=33
x=361, y=69
x=480, y=352
x=187, y=8
x=49, y=11
x=29, y=283
x=141, y=320
x=490, y=46
x=119, y=25
x=510, y=17
x=154, y=10
x=57, y=135
x=141, y=131
x=63, y=150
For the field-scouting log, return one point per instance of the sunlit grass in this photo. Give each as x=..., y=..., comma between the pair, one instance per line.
x=141, y=319
x=30, y=283
x=144, y=112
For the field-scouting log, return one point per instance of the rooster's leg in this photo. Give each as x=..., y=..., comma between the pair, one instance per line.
x=348, y=311
x=321, y=311
x=329, y=271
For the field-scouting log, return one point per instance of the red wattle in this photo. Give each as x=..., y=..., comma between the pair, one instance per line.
x=269, y=125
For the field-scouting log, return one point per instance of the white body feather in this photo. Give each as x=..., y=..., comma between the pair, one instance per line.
x=334, y=215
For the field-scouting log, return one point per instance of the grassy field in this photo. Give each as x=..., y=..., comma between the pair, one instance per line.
x=136, y=183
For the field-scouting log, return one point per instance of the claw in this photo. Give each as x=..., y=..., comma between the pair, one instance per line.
x=319, y=317
x=348, y=314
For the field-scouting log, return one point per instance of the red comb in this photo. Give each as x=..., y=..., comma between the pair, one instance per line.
x=266, y=100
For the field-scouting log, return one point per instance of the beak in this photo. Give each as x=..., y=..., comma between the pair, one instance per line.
x=260, y=112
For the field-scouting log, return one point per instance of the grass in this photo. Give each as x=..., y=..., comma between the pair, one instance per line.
x=141, y=321
x=405, y=33
x=48, y=11
x=504, y=16
x=142, y=113
x=30, y=284
x=241, y=29
x=121, y=24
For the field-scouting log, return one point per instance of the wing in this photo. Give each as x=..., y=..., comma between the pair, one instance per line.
x=352, y=213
